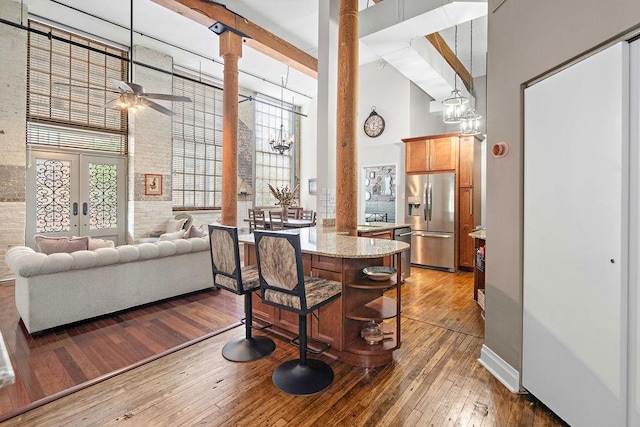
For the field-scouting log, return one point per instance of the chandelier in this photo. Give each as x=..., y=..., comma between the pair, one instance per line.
x=282, y=141
x=455, y=105
x=470, y=120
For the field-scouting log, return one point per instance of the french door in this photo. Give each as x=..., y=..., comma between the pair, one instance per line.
x=76, y=194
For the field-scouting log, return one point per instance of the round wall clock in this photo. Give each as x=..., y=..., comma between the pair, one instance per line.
x=374, y=124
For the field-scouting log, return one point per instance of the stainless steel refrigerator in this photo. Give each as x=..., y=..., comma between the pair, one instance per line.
x=430, y=211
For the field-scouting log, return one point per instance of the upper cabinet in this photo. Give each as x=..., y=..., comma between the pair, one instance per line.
x=432, y=154
x=469, y=167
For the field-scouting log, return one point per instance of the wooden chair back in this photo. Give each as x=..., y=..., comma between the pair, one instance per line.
x=276, y=221
x=259, y=222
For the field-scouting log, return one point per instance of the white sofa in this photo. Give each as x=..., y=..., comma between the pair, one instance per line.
x=61, y=288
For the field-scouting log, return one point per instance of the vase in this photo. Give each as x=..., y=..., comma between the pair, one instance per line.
x=285, y=212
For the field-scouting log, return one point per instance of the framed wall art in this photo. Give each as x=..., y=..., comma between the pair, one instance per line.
x=152, y=184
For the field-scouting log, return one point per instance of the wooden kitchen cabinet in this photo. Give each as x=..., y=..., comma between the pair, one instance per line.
x=431, y=154
x=466, y=252
x=469, y=166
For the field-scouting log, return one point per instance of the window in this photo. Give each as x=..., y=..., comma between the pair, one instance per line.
x=271, y=167
x=197, y=145
x=69, y=80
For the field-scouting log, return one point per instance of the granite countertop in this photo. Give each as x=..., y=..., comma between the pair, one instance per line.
x=379, y=226
x=328, y=242
x=479, y=234
x=6, y=370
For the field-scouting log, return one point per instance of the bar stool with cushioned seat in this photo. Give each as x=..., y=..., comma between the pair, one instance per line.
x=229, y=275
x=284, y=285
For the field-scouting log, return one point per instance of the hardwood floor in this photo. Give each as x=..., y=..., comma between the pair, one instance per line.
x=434, y=380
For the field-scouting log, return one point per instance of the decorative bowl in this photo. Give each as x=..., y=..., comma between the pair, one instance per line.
x=372, y=333
x=379, y=273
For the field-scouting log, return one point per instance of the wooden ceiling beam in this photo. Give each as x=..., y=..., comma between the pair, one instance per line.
x=445, y=51
x=257, y=38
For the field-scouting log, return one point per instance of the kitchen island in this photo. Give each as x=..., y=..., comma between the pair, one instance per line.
x=340, y=257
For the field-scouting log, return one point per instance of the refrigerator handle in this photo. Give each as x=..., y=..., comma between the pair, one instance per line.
x=430, y=201
x=426, y=201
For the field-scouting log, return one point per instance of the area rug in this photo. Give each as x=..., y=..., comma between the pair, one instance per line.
x=61, y=361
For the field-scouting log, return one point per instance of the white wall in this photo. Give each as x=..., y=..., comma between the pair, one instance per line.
x=308, y=165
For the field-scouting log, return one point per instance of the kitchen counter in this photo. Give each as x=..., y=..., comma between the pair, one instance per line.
x=479, y=234
x=6, y=370
x=327, y=242
x=379, y=226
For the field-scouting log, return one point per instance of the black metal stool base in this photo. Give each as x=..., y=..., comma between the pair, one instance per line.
x=303, y=380
x=248, y=349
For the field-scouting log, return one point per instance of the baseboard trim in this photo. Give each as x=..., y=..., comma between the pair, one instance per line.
x=500, y=369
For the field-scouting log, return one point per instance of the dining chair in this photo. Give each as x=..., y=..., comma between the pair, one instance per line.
x=228, y=274
x=309, y=215
x=259, y=221
x=252, y=223
x=294, y=212
x=284, y=285
x=276, y=221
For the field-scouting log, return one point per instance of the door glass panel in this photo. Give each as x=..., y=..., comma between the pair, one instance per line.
x=53, y=195
x=103, y=196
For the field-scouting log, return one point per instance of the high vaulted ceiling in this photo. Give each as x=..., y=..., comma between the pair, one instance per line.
x=392, y=31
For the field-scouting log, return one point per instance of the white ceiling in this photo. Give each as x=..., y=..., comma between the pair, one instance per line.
x=196, y=48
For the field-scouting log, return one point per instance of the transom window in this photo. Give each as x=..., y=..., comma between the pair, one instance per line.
x=69, y=80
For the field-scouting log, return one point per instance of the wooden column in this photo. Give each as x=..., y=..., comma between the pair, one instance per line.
x=346, y=128
x=231, y=51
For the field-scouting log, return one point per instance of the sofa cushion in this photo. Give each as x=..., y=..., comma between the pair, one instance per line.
x=100, y=243
x=51, y=245
x=166, y=248
x=128, y=253
x=84, y=259
x=174, y=225
x=194, y=231
x=172, y=236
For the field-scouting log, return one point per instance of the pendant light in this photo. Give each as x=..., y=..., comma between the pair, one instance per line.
x=455, y=104
x=470, y=121
x=281, y=142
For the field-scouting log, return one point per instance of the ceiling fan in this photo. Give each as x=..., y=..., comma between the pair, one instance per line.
x=132, y=95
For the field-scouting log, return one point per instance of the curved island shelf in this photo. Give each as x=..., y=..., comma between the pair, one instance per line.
x=341, y=257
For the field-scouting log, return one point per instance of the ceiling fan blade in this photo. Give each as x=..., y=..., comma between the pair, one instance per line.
x=157, y=107
x=112, y=103
x=84, y=87
x=166, y=97
x=128, y=86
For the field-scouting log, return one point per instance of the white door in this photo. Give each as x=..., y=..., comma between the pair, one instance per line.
x=576, y=151
x=75, y=194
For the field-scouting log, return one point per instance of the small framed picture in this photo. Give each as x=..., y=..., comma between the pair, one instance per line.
x=313, y=186
x=152, y=184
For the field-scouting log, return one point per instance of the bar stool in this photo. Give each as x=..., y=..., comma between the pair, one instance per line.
x=229, y=275
x=284, y=285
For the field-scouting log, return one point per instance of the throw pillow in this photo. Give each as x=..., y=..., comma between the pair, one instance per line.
x=51, y=245
x=174, y=225
x=100, y=243
x=194, y=231
x=172, y=236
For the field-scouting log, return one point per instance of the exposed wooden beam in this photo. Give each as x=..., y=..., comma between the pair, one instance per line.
x=258, y=38
x=443, y=48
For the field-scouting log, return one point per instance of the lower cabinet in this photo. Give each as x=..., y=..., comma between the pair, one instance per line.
x=340, y=322
x=466, y=249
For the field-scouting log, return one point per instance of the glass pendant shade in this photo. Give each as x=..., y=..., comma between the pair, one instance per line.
x=454, y=107
x=470, y=122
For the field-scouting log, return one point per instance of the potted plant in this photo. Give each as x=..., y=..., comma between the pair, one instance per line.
x=284, y=196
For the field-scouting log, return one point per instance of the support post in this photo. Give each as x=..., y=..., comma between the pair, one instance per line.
x=231, y=51
x=346, y=131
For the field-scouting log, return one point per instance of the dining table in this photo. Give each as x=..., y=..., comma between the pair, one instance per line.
x=289, y=222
